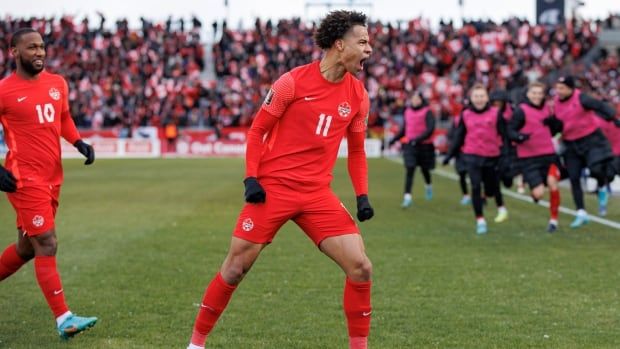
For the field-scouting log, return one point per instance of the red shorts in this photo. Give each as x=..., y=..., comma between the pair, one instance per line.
x=35, y=208
x=319, y=214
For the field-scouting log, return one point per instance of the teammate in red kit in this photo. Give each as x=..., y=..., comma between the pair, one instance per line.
x=305, y=115
x=34, y=112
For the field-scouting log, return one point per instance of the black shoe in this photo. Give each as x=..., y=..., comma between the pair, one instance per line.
x=551, y=228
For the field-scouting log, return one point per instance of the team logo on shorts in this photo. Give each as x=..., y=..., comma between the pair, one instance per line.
x=247, y=224
x=55, y=94
x=344, y=109
x=38, y=221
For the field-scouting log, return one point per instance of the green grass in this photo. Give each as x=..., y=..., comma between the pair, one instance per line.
x=140, y=239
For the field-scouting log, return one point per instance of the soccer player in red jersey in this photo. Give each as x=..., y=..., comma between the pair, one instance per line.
x=291, y=150
x=34, y=112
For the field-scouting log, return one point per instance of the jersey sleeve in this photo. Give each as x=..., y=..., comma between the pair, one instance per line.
x=359, y=122
x=279, y=96
x=68, y=129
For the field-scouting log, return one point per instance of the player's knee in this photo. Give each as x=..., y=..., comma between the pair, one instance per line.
x=362, y=270
x=46, y=244
x=538, y=192
x=233, y=271
x=25, y=252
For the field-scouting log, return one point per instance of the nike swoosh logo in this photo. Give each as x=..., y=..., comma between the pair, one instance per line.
x=56, y=293
x=364, y=314
x=19, y=99
x=207, y=307
x=310, y=98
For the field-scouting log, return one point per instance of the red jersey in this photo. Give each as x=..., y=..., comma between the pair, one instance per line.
x=34, y=114
x=313, y=116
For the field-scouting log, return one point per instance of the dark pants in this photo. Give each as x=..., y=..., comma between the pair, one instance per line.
x=483, y=171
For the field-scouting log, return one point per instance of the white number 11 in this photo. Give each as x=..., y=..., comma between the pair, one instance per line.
x=328, y=121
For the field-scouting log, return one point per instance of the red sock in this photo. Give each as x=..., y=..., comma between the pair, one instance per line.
x=49, y=281
x=214, y=302
x=357, y=310
x=554, y=205
x=10, y=262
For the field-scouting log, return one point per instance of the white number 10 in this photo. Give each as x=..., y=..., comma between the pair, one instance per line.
x=45, y=113
x=328, y=121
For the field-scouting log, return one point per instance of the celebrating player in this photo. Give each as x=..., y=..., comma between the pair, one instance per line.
x=288, y=173
x=611, y=130
x=585, y=143
x=34, y=111
x=480, y=132
x=536, y=156
x=418, y=147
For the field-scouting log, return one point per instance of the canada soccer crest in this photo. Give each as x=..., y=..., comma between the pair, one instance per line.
x=38, y=221
x=247, y=224
x=54, y=93
x=344, y=109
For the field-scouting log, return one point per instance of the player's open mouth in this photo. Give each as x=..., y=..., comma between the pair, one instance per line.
x=362, y=61
x=37, y=62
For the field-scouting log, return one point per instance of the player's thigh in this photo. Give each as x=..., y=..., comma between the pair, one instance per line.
x=349, y=253
x=259, y=223
x=35, y=208
x=323, y=215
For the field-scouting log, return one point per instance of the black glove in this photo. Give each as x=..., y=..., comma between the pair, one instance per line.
x=8, y=183
x=522, y=137
x=86, y=150
x=617, y=122
x=413, y=142
x=548, y=121
x=254, y=192
x=364, y=210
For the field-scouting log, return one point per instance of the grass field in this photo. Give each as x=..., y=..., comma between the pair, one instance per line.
x=139, y=240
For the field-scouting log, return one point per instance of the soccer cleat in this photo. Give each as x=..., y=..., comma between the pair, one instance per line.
x=466, y=200
x=552, y=227
x=481, y=228
x=579, y=221
x=428, y=193
x=603, y=199
x=407, y=201
x=502, y=216
x=74, y=325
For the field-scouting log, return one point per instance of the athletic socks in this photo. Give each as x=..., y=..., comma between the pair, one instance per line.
x=10, y=262
x=357, y=309
x=49, y=281
x=62, y=318
x=214, y=301
x=554, y=204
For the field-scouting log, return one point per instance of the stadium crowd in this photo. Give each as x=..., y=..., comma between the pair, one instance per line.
x=152, y=76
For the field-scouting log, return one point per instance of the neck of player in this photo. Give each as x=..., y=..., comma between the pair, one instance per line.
x=331, y=68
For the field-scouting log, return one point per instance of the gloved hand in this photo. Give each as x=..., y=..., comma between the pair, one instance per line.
x=254, y=192
x=548, y=121
x=522, y=137
x=413, y=142
x=446, y=160
x=86, y=150
x=364, y=210
x=8, y=183
x=617, y=122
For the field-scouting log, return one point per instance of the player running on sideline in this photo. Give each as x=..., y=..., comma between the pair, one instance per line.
x=304, y=116
x=611, y=130
x=480, y=133
x=536, y=155
x=34, y=112
x=418, y=147
x=585, y=144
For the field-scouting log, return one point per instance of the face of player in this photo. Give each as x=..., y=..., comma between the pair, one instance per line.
x=479, y=98
x=536, y=95
x=563, y=91
x=355, y=49
x=30, y=53
x=416, y=101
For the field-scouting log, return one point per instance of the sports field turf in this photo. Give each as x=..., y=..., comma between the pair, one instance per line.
x=140, y=239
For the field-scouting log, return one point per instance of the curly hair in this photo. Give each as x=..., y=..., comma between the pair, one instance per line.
x=335, y=25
